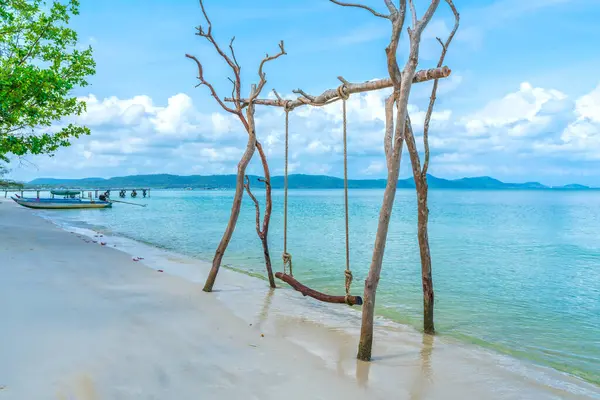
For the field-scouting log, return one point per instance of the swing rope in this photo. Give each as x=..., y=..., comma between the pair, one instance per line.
x=287, y=257
x=348, y=273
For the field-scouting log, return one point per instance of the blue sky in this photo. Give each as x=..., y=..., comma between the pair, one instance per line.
x=523, y=102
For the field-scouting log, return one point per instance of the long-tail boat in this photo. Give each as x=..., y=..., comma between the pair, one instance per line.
x=60, y=204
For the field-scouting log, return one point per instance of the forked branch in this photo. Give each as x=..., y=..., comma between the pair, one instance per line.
x=262, y=75
x=208, y=35
x=375, y=13
x=419, y=25
x=435, y=87
x=213, y=92
x=232, y=61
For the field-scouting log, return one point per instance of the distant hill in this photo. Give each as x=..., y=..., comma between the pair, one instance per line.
x=295, y=181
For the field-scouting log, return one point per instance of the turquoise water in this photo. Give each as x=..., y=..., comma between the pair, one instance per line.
x=516, y=271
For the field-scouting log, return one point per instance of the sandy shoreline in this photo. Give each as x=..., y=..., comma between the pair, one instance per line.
x=85, y=321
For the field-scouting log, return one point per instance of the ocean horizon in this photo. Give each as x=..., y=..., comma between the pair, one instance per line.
x=513, y=271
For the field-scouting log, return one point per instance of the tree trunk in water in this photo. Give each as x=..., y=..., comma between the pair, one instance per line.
x=265, y=245
x=423, y=235
x=422, y=230
x=267, y=218
x=368, y=309
x=235, y=210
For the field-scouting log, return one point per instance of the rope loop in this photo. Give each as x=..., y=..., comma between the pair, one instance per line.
x=342, y=92
x=286, y=106
x=349, y=278
x=287, y=260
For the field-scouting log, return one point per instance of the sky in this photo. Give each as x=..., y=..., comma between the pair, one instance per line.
x=522, y=102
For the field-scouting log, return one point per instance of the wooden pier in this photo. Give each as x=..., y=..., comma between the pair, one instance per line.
x=84, y=193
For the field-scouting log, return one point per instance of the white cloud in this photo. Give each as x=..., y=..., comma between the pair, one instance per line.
x=374, y=168
x=588, y=106
x=517, y=114
x=526, y=125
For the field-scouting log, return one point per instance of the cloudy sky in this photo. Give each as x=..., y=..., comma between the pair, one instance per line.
x=522, y=104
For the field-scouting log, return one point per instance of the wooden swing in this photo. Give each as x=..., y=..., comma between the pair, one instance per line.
x=287, y=257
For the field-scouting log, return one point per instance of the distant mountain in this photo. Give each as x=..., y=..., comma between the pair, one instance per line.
x=295, y=181
x=573, y=186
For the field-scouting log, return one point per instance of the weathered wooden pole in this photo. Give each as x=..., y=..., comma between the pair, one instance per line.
x=421, y=186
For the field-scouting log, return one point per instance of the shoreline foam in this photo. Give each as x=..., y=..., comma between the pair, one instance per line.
x=431, y=370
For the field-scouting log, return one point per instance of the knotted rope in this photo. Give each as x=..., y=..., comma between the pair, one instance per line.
x=343, y=94
x=287, y=257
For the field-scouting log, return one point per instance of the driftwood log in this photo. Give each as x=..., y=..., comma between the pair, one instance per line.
x=332, y=94
x=306, y=291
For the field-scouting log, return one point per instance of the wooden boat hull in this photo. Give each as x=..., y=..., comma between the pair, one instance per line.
x=61, y=205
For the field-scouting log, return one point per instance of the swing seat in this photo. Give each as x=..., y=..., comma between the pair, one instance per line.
x=306, y=291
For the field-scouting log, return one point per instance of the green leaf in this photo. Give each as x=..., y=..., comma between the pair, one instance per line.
x=39, y=67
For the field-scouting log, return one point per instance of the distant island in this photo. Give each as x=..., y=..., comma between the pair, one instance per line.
x=295, y=181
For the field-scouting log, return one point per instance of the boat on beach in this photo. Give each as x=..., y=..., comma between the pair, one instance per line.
x=60, y=204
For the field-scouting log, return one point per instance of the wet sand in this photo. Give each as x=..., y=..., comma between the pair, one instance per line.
x=84, y=320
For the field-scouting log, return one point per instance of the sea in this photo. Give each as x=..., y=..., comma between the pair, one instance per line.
x=515, y=271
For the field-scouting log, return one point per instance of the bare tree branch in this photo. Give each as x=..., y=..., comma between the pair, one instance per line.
x=422, y=23
x=209, y=32
x=213, y=92
x=332, y=94
x=233, y=54
x=392, y=49
x=411, y=145
x=389, y=125
x=277, y=95
x=413, y=12
x=247, y=186
x=262, y=75
x=236, y=71
x=304, y=94
x=341, y=79
x=375, y=13
x=390, y=5
x=435, y=86
x=208, y=35
x=233, y=88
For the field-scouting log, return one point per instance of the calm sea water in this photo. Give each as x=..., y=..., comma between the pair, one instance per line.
x=516, y=271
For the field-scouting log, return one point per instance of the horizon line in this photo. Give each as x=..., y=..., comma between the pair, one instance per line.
x=410, y=178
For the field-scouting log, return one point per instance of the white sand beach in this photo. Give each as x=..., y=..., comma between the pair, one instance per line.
x=81, y=320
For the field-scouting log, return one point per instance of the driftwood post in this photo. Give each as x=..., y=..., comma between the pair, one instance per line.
x=248, y=123
x=420, y=177
x=393, y=142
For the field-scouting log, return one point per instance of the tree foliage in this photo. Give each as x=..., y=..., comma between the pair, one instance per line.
x=39, y=66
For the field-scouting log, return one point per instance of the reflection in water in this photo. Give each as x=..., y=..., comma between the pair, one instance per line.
x=264, y=313
x=424, y=375
x=362, y=373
